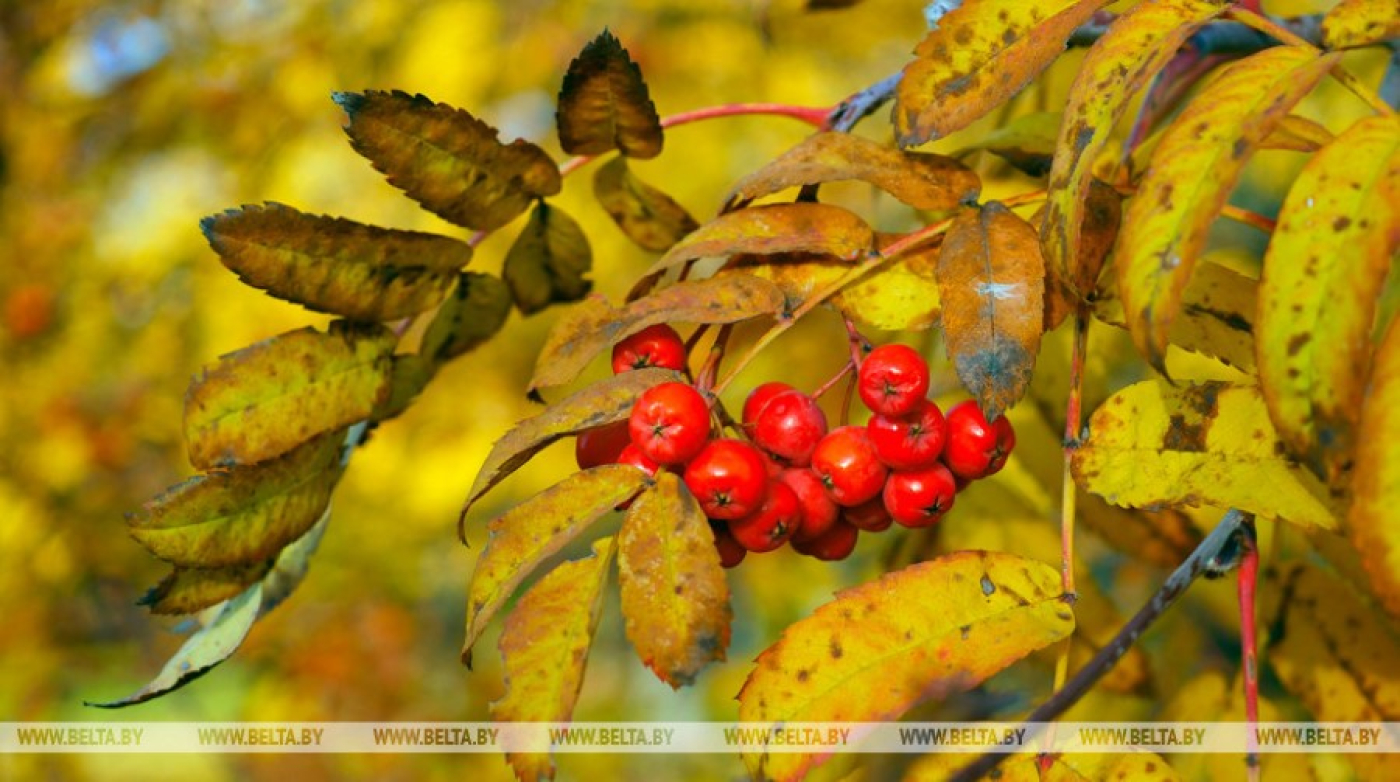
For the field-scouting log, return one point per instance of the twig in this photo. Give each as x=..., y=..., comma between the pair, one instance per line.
x=1249, y=643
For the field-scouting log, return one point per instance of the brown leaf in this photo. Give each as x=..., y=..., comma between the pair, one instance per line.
x=1102, y=213
x=187, y=590
x=922, y=180
x=601, y=403
x=594, y=325
x=604, y=104
x=476, y=311
x=446, y=159
x=674, y=596
x=775, y=228
x=978, y=56
x=992, y=279
x=648, y=216
x=266, y=399
x=548, y=261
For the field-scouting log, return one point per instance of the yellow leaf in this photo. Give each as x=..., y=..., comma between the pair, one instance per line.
x=266, y=399
x=980, y=54
x=1192, y=171
x=548, y=261
x=1359, y=23
x=1336, y=654
x=775, y=228
x=927, y=631
x=675, y=599
x=924, y=181
x=1376, y=484
x=187, y=590
x=535, y=530
x=544, y=650
x=1210, y=698
x=1152, y=444
x=1070, y=767
x=1323, y=273
x=900, y=295
x=648, y=216
x=1116, y=69
x=991, y=278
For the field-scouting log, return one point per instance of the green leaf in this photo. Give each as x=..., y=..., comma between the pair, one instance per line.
x=243, y=515
x=604, y=104
x=187, y=590
x=537, y=529
x=473, y=314
x=648, y=216
x=601, y=403
x=259, y=402
x=446, y=159
x=329, y=264
x=548, y=261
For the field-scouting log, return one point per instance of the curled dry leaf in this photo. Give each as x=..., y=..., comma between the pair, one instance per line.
x=446, y=159
x=537, y=529
x=262, y=401
x=1203, y=152
x=991, y=278
x=649, y=217
x=1323, y=272
x=922, y=180
x=675, y=600
x=925, y=632
x=548, y=261
x=979, y=55
x=604, y=104
x=822, y=229
x=1153, y=445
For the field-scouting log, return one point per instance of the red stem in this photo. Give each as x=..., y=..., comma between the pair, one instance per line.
x=1248, y=580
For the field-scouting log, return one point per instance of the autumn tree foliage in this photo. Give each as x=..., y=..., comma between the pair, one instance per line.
x=1262, y=395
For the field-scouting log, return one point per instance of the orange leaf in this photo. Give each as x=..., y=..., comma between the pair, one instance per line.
x=992, y=280
x=1376, y=484
x=648, y=216
x=1191, y=174
x=928, y=631
x=604, y=104
x=1114, y=72
x=602, y=403
x=544, y=649
x=1359, y=23
x=775, y=228
x=446, y=159
x=1327, y=260
x=548, y=261
x=1102, y=213
x=924, y=181
x=980, y=54
x=674, y=596
x=594, y=325
x=537, y=529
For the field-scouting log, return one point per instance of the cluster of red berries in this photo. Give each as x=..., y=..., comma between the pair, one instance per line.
x=793, y=480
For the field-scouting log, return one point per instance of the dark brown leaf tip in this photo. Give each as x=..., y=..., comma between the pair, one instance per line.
x=604, y=104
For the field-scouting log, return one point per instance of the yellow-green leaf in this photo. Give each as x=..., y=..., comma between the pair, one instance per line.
x=1192, y=172
x=1297, y=134
x=924, y=181
x=900, y=295
x=604, y=104
x=187, y=590
x=594, y=325
x=675, y=600
x=991, y=278
x=1327, y=260
x=544, y=650
x=476, y=311
x=601, y=403
x=980, y=54
x=1027, y=142
x=1116, y=70
x=775, y=228
x=648, y=216
x=548, y=261
x=1153, y=444
x=1376, y=483
x=242, y=515
x=329, y=264
x=266, y=399
x=1336, y=654
x=409, y=375
x=1360, y=23
x=928, y=631
x=446, y=159
x=537, y=529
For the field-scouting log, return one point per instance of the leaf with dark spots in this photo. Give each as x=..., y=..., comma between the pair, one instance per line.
x=548, y=262
x=649, y=217
x=991, y=279
x=537, y=529
x=675, y=599
x=187, y=590
x=446, y=159
x=602, y=403
x=1353, y=23
x=605, y=105
x=1376, y=481
x=1217, y=315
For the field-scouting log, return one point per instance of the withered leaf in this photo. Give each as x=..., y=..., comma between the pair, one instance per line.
x=775, y=228
x=475, y=311
x=548, y=261
x=648, y=216
x=604, y=104
x=187, y=590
